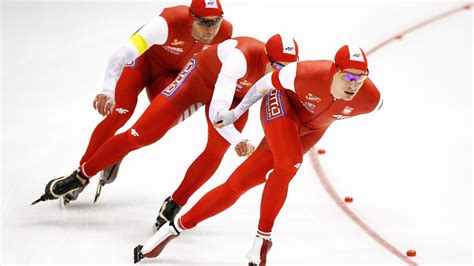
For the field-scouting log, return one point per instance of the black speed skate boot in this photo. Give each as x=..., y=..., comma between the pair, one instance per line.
x=168, y=211
x=60, y=186
x=70, y=196
x=107, y=176
x=258, y=253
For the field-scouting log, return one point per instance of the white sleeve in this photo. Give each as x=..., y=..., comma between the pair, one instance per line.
x=287, y=76
x=116, y=63
x=256, y=92
x=154, y=32
x=234, y=66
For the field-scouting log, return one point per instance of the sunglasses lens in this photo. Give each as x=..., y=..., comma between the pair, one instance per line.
x=208, y=22
x=352, y=77
x=277, y=65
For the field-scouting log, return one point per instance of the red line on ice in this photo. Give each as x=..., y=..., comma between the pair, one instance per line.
x=420, y=25
x=322, y=176
x=332, y=192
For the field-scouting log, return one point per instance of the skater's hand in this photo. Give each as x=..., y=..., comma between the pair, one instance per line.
x=104, y=104
x=244, y=148
x=224, y=118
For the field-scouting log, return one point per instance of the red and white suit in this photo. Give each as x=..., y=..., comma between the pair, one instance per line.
x=295, y=113
x=223, y=73
x=152, y=58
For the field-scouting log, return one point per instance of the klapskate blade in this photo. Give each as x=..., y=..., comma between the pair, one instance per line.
x=97, y=192
x=63, y=202
x=42, y=198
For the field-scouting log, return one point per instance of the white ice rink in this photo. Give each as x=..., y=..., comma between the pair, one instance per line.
x=408, y=166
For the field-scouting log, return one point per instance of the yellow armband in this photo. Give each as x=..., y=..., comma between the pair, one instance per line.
x=139, y=43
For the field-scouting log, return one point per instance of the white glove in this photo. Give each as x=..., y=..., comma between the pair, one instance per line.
x=224, y=118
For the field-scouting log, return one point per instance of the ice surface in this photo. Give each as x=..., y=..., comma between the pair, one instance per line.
x=408, y=166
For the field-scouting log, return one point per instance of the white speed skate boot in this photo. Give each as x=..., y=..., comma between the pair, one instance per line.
x=155, y=245
x=258, y=253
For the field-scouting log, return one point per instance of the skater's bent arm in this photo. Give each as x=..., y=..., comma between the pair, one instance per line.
x=226, y=118
x=256, y=92
x=282, y=79
x=154, y=32
x=234, y=66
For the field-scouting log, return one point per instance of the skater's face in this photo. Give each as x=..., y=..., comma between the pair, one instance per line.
x=204, y=29
x=347, y=82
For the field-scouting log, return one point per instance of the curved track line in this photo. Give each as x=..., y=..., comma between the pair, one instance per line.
x=325, y=181
x=419, y=25
x=337, y=199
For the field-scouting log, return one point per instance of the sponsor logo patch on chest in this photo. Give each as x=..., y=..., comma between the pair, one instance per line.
x=177, y=42
x=173, y=50
x=309, y=107
x=313, y=98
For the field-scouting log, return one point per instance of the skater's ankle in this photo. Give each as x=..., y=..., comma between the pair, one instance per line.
x=179, y=225
x=82, y=177
x=83, y=173
x=264, y=235
x=178, y=201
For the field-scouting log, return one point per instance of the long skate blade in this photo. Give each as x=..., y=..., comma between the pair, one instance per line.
x=42, y=198
x=63, y=202
x=99, y=189
x=109, y=175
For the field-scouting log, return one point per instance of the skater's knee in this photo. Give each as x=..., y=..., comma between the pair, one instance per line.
x=288, y=166
x=285, y=174
x=119, y=116
x=213, y=154
x=239, y=186
x=136, y=139
x=216, y=149
x=233, y=190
